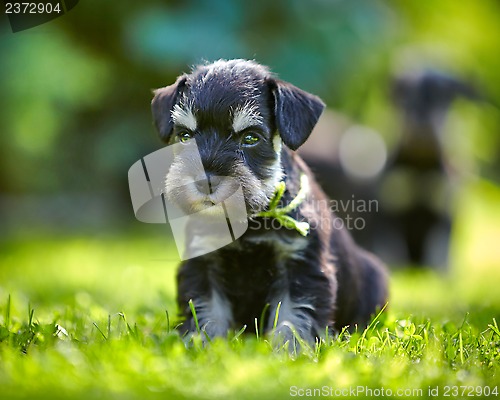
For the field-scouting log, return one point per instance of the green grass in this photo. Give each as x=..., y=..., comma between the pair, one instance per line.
x=93, y=317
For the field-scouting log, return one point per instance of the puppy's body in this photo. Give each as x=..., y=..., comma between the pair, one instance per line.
x=321, y=280
x=240, y=115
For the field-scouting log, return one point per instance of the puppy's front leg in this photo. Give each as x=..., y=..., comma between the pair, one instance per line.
x=306, y=298
x=213, y=310
x=214, y=314
x=292, y=315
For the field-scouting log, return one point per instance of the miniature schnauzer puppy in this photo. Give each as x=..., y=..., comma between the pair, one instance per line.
x=247, y=125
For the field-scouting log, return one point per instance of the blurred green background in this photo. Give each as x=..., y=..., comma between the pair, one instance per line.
x=75, y=115
x=75, y=94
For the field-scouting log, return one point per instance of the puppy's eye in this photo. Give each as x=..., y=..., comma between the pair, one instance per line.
x=250, y=139
x=184, y=136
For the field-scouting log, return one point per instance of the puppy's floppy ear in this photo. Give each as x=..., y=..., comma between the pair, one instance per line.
x=296, y=112
x=162, y=104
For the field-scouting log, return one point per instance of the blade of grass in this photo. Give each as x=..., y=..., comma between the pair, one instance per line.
x=195, y=317
x=494, y=327
x=372, y=325
x=276, y=315
x=262, y=319
x=109, y=325
x=239, y=333
x=103, y=335
x=461, y=347
x=30, y=317
x=7, y=313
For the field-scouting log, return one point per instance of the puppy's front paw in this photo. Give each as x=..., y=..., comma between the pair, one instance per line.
x=204, y=334
x=214, y=329
x=287, y=337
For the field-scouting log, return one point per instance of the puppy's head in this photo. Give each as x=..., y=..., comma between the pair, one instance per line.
x=239, y=115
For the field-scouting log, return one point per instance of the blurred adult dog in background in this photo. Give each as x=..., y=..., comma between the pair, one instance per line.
x=414, y=186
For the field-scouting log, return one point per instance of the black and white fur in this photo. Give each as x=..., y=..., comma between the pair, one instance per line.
x=321, y=280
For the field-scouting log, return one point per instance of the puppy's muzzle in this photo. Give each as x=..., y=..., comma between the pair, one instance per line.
x=208, y=184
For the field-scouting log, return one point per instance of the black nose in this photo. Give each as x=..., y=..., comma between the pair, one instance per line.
x=208, y=184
